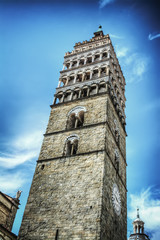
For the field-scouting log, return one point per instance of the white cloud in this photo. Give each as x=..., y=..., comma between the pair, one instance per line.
x=137, y=65
x=122, y=52
x=103, y=3
x=153, y=36
x=10, y=183
x=115, y=36
x=149, y=206
x=21, y=150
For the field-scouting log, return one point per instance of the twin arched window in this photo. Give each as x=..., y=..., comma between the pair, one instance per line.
x=76, y=117
x=71, y=145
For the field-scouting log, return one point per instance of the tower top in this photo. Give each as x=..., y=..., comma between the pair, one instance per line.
x=99, y=32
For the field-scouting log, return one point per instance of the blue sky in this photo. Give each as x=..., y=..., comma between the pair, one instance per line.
x=34, y=35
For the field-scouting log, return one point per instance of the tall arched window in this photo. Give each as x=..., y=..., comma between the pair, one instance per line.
x=116, y=132
x=116, y=160
x=76, y=117
x=71, y=145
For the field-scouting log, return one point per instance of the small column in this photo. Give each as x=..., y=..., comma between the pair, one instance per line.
x=75, y=77
x=83, y=75
x=71, y=95
x=59, y=83
x=97, y=87
x=72, y=148
x=54, y=100
x=76, y=122
x=85, y=60
x=78, y=61
x=88, y=91
x=63, y=97
x=67, y=81
x=79, y=95
x=64, y=65
x=93, y=58
x=100, y=56
x=99, y=72
x=70, y=64
x=107, y=70
x=91, y=73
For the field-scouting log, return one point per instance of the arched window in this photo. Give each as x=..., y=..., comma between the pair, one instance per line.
x=116, y=132
x=71, y=145
x=116, y=160
x=76, y=117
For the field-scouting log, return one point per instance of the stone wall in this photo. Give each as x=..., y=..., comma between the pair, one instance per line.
x=65, y=196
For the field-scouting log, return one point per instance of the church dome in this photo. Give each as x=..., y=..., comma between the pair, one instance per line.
x=138, y=229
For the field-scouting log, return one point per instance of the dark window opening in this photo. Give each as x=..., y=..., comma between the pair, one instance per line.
x=84, y=93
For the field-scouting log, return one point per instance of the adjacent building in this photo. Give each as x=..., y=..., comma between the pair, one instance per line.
x=8, y=210
x=138, y=229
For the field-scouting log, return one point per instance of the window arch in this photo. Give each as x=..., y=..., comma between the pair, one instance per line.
x=116, y=132
x=71, y=145
x=116, y=160
x=76, y=117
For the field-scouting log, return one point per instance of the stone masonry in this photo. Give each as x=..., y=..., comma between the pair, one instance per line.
x=83, y=154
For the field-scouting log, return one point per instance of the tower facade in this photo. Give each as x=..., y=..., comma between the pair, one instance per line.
x=79, y=186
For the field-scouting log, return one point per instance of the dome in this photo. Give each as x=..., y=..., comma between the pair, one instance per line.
x=138, y=236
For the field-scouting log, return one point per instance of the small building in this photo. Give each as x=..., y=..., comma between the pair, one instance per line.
x=8, y=210
x=138, y=229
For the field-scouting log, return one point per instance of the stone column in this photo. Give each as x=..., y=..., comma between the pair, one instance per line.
x=79, y=95
x=99, y=72
x=64, y=65
x=97, y=87
x=85, y=60
x=71, y=95
x=67, y=81
x=88, y=91
x=107, y=70
x=54, y=100
x=70, y=64
x=75, y=77
x=83, y=75
x=91, y=73
x=93, y=58
x=78, y=61
x=63, y=97
x=76, y=122
x=59, y=83
x=100, y=56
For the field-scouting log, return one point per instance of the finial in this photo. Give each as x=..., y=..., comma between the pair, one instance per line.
x=137, y=212
x=18, y=194
x=99, y=28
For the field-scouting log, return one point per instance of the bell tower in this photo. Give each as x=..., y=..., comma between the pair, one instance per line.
x=79, y=186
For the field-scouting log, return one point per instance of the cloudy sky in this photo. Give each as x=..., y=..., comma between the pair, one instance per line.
x=34, y=35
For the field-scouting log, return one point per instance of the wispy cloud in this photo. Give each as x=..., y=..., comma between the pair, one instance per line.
x=12, y=182
x=137, y=65
x=153, y=36
x=122, y=52
x=103, y=3
x=115, y=36
x=21, y=150
x=149, y=205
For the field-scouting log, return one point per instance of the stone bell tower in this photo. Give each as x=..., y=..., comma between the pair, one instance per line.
x=79, y=186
